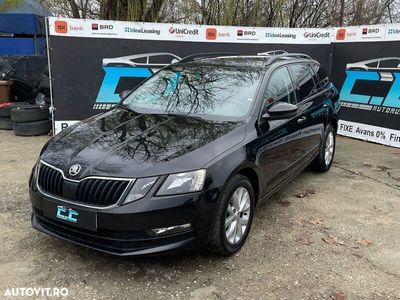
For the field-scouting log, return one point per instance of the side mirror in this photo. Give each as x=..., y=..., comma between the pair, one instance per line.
x=280, y=111
x=123, y=94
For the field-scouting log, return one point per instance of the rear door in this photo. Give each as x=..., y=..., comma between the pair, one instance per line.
x=312, y=109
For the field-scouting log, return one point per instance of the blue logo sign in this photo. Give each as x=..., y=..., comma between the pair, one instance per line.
x=67, y=214
x=392, y=99
x=111, y=78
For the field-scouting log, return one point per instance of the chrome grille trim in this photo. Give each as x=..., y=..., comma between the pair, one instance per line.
x=123, y=194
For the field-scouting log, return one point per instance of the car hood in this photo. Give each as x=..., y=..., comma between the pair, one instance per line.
x=122, y=143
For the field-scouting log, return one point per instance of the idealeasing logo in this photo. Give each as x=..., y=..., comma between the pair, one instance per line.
x=280, y=35
x=394, y=31
x=142, y=30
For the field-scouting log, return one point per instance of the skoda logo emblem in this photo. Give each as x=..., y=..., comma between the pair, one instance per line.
x=75, y=169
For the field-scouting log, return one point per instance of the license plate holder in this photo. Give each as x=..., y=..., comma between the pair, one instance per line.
x=70, y=215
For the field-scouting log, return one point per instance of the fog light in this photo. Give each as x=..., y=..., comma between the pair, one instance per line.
x=172, y=229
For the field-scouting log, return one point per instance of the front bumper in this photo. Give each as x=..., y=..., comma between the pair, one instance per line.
x=125, y=230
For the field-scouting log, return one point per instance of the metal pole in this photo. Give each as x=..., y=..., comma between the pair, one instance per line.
x=34, y=43
x=52, y=108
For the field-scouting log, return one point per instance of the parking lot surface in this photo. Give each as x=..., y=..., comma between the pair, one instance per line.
x=324, y=236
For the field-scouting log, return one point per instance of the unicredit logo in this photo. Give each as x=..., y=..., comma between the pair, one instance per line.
x=316, y=35
x=173, y=30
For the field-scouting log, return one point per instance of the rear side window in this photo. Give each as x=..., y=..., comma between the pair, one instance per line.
x=302, y=80
x=279, y=88
x=314, y=69
x=322, y=75
x=389, y=63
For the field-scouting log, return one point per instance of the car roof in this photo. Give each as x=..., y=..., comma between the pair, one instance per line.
x=253, y=61
x=365, y=64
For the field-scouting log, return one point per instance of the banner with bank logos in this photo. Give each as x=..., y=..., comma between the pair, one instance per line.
x=93, y=61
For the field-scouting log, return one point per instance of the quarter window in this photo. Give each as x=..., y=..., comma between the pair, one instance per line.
x=314, y=69
x=321, y=74
x=279, y=88
x=302, y=80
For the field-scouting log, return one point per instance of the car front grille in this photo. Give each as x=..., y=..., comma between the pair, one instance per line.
x=50, y=180
x=100, y=192
x=92, y=191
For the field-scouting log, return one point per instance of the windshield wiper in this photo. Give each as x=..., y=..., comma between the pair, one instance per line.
x=187, y=116
x=166, y=114
x=126, y=108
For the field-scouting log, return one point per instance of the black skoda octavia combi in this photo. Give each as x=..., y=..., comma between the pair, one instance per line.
x=185, y=158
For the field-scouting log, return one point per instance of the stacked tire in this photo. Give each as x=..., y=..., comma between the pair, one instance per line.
x=31, y=120
x=6, y=122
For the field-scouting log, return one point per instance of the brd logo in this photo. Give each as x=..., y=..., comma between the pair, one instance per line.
x=109, y=27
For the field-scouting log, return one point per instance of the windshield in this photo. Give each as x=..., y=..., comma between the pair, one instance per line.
x=203, y=91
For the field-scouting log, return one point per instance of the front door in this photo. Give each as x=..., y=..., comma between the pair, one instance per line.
x=279, y=144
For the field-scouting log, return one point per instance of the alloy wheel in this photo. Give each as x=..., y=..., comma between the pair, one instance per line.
x=329, y=148
x=237, y=215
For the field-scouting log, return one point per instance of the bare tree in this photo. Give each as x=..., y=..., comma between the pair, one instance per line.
x=287, y=13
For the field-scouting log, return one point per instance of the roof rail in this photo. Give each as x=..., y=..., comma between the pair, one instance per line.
x=294, y=55
x=273, y=52
x=198, y=56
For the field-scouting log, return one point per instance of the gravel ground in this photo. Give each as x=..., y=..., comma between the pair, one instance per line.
x=325, y=236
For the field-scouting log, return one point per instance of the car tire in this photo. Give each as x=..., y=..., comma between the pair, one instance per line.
x=221, y=239
x=6, y=123
x=5, y=108
x=32, y=128
x=322, y=163
x=22, y=91
x=29, y=114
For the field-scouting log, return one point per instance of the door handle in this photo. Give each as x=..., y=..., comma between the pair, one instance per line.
x=301, y=120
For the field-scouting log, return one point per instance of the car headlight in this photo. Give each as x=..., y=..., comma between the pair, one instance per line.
x=183, y=183
x=140, y=188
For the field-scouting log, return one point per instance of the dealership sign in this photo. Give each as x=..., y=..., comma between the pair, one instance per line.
x=93, y=61
x=366, y=65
